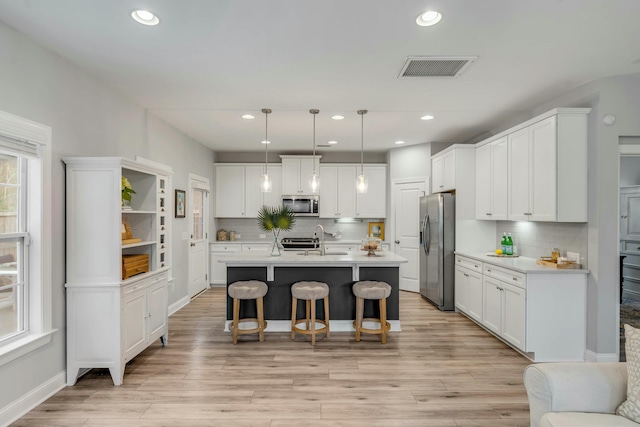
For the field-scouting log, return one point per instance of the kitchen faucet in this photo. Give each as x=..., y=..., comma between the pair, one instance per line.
x=315, y=233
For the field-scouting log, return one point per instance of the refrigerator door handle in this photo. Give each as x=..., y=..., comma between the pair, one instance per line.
x=428, y=241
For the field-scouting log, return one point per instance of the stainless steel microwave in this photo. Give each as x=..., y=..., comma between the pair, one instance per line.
x=302, y=205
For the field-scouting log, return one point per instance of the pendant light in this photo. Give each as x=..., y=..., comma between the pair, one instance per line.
x=265, y=184
x=362, y=183
x=314, y=180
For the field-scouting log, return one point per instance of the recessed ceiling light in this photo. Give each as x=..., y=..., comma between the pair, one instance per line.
x=145, y=17
x=427, y=117
x=265, y=142
x=248, y=117
x=399, y=142
x=337, y=117
x=332, y=142
x=429, y=18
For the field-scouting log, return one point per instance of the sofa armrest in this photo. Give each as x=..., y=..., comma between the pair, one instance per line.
x=574, y=387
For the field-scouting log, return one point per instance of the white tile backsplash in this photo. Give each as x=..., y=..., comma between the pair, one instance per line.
x=536, y=239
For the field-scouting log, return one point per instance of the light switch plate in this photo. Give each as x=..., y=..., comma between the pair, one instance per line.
x=573, y=256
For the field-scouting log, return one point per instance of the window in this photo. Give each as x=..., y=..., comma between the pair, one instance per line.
x=25, y=236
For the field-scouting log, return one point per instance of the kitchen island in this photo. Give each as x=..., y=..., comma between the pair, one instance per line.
x=339, y=271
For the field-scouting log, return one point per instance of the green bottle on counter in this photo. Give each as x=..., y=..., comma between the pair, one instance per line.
x=509, y=250
x=503, y=243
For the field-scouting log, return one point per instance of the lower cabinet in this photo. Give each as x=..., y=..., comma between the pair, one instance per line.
x=218, y=273
x=109, y=325
x=541, y=313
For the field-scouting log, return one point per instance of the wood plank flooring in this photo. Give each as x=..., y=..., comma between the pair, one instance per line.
x=441, y=370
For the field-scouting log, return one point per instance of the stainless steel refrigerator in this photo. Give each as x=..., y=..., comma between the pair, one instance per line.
x=437, y=240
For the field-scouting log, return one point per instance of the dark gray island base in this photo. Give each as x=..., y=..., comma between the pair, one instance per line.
x=342, y=302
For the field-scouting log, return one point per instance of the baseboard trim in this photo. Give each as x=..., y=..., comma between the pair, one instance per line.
x=24, y=404
x=182, y=302
x=334, y=325
x=592, y=356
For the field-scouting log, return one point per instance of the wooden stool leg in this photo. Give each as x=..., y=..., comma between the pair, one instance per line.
x=383, y=319
x=326, y=314
x=294, y=306
x=308, y=307
x=260, y=310
x=359, y=314
x=313, y=321
x=236, y=318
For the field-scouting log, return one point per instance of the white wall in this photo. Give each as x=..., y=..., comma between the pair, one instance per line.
x=629, y=170
x=88, y=118
x=413, y=161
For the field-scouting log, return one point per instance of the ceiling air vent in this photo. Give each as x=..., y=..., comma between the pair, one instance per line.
x=436, y=66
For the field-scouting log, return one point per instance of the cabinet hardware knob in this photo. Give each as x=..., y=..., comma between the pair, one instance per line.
x=193, y=244
x=466, y=275
x=515, y=278
x=441, y=186
x=488, y=214
x=397, y=242
x=488, y=270
x=475, y=265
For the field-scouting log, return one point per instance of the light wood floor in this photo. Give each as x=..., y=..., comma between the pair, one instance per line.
x=441, y=370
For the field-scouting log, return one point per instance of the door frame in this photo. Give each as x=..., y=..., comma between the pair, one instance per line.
x=203, y=183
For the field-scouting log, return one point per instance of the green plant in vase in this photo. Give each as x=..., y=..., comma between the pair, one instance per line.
x=276, y=219
x=127, y=191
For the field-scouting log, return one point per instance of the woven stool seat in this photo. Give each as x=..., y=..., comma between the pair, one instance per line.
x=248, y=289
x=371, y=290
x=310, y=290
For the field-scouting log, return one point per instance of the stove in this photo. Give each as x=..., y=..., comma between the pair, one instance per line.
x=300, y=243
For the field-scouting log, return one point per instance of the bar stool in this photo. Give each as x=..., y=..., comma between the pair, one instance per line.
x=244, y=290
x=309, y=291
x=371, y=290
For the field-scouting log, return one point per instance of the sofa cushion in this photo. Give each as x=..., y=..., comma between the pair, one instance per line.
x=630, y=408
x=583, y=419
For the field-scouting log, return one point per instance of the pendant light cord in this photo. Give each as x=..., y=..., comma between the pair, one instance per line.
x=314, y=112
x=362, y=113
x=266, y=112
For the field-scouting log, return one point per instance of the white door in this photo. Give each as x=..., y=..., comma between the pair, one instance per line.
x=198, y=212
x=407, y=232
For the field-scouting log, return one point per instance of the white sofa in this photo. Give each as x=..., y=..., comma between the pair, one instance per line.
x=576, y=394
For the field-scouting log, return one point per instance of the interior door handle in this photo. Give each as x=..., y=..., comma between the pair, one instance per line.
x=193, y=244
x=397, y=242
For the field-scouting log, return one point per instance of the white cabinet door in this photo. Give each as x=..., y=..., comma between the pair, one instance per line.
x=543, y=185
x=630, y=216
x=291, y=177
x=437, y=174
x=499, y=179
x=337, y=191
x=328, y=195
x=218, y=270
x=252, y=190
x=229, y=195
x=449, y=170
x=514, y=306
x=461, y=289
x=372, y=204
x=134, y=321
x=157, y=300
x=484, y=205
x=346, y=191
x=474, y=295
x=492, y=308
x=274, y=198
x=519, y=175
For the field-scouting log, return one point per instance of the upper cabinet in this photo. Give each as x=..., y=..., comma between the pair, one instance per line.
x=630, y=214
x=337, y=191
x=296, y=171
x=372, y=204
x=237, y=189
x=443, y=172
x=491, y=180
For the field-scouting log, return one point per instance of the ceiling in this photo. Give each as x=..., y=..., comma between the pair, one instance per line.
x=210, y=61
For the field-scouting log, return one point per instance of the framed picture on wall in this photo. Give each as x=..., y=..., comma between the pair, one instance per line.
x=181, y=203
x=376, y=229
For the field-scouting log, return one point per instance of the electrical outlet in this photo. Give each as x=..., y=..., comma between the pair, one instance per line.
x=263, y=236
x=573, y=256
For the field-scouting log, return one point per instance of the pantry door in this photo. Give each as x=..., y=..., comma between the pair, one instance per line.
x=198, y=213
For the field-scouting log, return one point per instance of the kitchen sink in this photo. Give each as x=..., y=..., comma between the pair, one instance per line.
x=317, y=252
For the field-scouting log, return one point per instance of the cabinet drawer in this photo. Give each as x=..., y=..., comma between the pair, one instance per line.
x=226, y=248
x=508, y=276
x=264, y=247
x=134, y=287
x=469, y=263
x=630, y=247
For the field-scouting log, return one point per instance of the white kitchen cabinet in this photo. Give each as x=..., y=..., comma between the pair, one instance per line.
x=296, y=171
x=443, y=171
x=468, y=292
x=111, y=319
x=238, y=193
x=218, y=273
x=547, y=174
x=373, y=203
x=491, y=180
x=505, y=311
x=630, y=214
x=337, y=191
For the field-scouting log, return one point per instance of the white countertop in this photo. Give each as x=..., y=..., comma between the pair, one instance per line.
x=267, y=241
x=521, y=264
x=292, y=258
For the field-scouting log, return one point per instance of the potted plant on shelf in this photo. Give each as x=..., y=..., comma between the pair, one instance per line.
x=127, y=191
x=276, y=219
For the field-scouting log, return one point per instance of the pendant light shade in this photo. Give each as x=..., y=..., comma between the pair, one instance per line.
x=314, y=179
x=265, y=184
x=362, y=183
